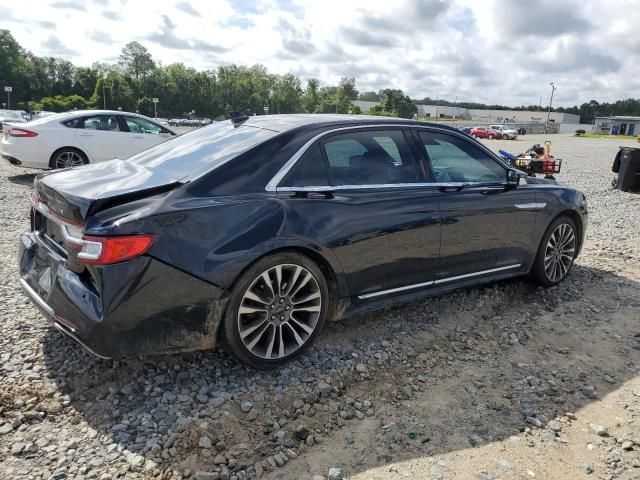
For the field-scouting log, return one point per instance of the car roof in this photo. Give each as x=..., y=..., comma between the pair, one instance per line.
x=285, y=122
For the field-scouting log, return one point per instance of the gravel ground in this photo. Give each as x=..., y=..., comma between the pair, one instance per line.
x=507, y=381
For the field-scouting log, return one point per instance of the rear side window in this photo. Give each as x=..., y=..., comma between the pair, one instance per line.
x=369, y=158
x=309, y=171
x=99, y=122
x=71, y=123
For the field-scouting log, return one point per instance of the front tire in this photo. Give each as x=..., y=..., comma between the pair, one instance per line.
x=556, y=252
x=276, y=310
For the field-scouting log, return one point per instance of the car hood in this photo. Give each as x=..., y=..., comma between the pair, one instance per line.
x=76, y=192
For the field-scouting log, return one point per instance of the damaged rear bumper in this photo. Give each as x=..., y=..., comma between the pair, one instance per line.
x=138, y=307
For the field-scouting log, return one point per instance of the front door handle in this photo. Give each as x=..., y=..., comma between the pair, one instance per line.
x=138, y=137
x=492, y=190
x=86, y=134
x=319, y=195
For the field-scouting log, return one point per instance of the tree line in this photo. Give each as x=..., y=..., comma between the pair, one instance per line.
x=54, y=84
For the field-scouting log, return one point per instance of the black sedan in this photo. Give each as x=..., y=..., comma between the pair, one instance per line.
x=262, y=228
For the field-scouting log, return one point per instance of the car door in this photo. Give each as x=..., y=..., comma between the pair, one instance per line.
x=101, y=137
x=144, y=134
x=487, y=224
x=363, y=194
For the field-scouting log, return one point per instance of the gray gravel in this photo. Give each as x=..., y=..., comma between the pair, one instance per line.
x=64, y=414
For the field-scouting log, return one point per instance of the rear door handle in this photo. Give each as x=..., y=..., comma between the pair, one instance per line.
x=86, y=134
x=138, y=137
x=450, y=188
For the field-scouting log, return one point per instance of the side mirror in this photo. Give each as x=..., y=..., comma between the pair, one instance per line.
x=513, y=177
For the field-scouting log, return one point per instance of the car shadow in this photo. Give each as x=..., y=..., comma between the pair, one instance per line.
x=506, y=352
x=22, y=179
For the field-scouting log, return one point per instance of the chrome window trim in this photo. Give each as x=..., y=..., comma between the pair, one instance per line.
x=330, y=188
x=437, y=282
x=272, y=186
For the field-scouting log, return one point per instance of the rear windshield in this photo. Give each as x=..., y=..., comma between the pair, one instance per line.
x=202, y=150
x=52, y=118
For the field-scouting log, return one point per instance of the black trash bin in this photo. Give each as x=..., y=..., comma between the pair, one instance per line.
x=627, y=166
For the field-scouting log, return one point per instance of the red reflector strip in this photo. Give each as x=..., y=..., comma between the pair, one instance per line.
x=45, y=210
x=118, y=249
x=21, y=132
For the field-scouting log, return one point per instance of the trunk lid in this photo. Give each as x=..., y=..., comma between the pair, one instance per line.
x=75, y=193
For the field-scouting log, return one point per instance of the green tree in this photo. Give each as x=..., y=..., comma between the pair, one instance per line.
x=394, y=103
x=311, y=96
x=136, y=60
x=369, y=97
x=345, y=94
x=285, y=96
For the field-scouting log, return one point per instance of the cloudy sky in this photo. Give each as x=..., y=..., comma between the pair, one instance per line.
x=489, y=51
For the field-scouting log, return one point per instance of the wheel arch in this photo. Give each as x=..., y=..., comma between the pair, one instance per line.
x=338, y=288
x=68, y=147
x=577, y=219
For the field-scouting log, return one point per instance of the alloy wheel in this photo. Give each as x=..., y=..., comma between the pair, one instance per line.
x=68, y=159
x=559, y=252
x=279, y=311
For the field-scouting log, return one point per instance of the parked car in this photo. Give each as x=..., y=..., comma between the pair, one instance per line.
x=162, y=121
x=507, y=132
x=262, y=228
x=483, y=132
x=13, y=116
x=41, y=114
x=466, y=130
x=80, y=137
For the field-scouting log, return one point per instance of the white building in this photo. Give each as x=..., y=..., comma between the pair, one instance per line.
x=485, y=116
x=618, y=125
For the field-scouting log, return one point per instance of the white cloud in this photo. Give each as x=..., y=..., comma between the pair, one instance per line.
x=490, y=51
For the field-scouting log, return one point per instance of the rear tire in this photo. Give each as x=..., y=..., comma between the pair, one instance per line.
x=67, y=157
x=556, y=252
x=277, y=308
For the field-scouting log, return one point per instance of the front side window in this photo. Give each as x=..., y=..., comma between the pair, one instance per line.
x=369, y=158
x=140, y=125
x=455, y=159
x=99, y=122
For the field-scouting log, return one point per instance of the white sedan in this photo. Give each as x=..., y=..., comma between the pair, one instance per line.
x=80, y=137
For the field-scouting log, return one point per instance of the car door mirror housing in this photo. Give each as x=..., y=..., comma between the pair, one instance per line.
x=513, y=177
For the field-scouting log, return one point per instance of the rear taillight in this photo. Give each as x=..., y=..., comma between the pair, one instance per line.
x=21, y=132
x=107, y=250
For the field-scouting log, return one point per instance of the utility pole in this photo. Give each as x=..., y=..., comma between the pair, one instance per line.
x=553, y=89
x=8, y=90
x=104, y=97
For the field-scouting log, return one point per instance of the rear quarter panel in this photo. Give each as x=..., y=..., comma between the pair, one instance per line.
x=217, y=238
